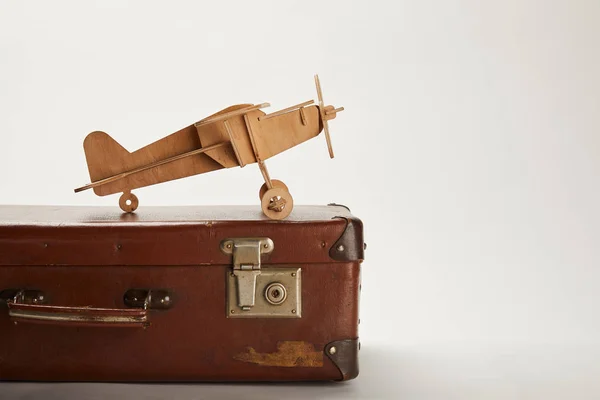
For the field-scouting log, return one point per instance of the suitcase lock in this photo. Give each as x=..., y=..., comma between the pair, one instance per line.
x=278, y=288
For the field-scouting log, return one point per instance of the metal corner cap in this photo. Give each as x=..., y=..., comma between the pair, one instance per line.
x=344, y=354
x=350, y=245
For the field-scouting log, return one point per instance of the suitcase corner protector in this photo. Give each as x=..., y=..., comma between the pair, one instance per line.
x=344, y=355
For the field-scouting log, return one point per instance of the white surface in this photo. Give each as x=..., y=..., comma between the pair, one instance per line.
x=469, y=147
x=420, y=373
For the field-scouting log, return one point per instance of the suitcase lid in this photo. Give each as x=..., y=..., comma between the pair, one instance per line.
x=97, y=236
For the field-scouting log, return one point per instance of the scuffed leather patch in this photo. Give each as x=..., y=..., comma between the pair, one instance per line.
x=288, y=354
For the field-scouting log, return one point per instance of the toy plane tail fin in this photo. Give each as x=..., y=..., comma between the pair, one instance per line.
x=105, y=157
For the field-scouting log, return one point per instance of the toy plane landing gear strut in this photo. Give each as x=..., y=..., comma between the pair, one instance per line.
x=236, y=136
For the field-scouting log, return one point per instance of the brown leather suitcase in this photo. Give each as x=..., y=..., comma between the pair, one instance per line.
x=179, y=294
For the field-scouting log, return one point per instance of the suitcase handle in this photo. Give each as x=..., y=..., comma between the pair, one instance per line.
x=20, y=310
x=80, y=316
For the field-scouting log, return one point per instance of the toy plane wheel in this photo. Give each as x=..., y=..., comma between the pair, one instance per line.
x=277, y=203
x=276, y=184
x=128, y=202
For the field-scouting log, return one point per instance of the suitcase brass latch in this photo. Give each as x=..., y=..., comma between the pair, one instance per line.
x=278, y=288
x=246, y=265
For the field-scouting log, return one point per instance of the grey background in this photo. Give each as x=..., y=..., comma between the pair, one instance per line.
x=469, y=147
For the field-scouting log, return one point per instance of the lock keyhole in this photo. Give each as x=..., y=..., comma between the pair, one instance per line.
x=275, y=293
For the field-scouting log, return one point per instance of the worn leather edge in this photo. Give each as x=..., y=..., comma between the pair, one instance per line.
x=350, y=246
x=345, y=356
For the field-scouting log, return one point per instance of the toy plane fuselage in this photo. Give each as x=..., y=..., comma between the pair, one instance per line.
x=253, y=139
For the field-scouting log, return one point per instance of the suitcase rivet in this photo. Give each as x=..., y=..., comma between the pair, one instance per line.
x=293, y=274
x=332, y=350
x=340, y=248
x=233, y=311
x=293, y=311
x=323, y=244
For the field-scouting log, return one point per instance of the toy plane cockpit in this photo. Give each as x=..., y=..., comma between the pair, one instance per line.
x=236, y=136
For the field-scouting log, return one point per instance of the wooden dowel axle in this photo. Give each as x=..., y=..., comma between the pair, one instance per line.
x=265, y=173
x=337, y=110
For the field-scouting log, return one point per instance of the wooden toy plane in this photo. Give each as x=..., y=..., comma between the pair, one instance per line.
x=236, y=136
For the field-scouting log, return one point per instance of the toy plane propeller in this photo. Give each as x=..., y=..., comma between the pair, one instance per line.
x=236, y=136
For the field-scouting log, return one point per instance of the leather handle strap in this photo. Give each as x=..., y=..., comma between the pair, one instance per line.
x=29, y=305
x=78, y=316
